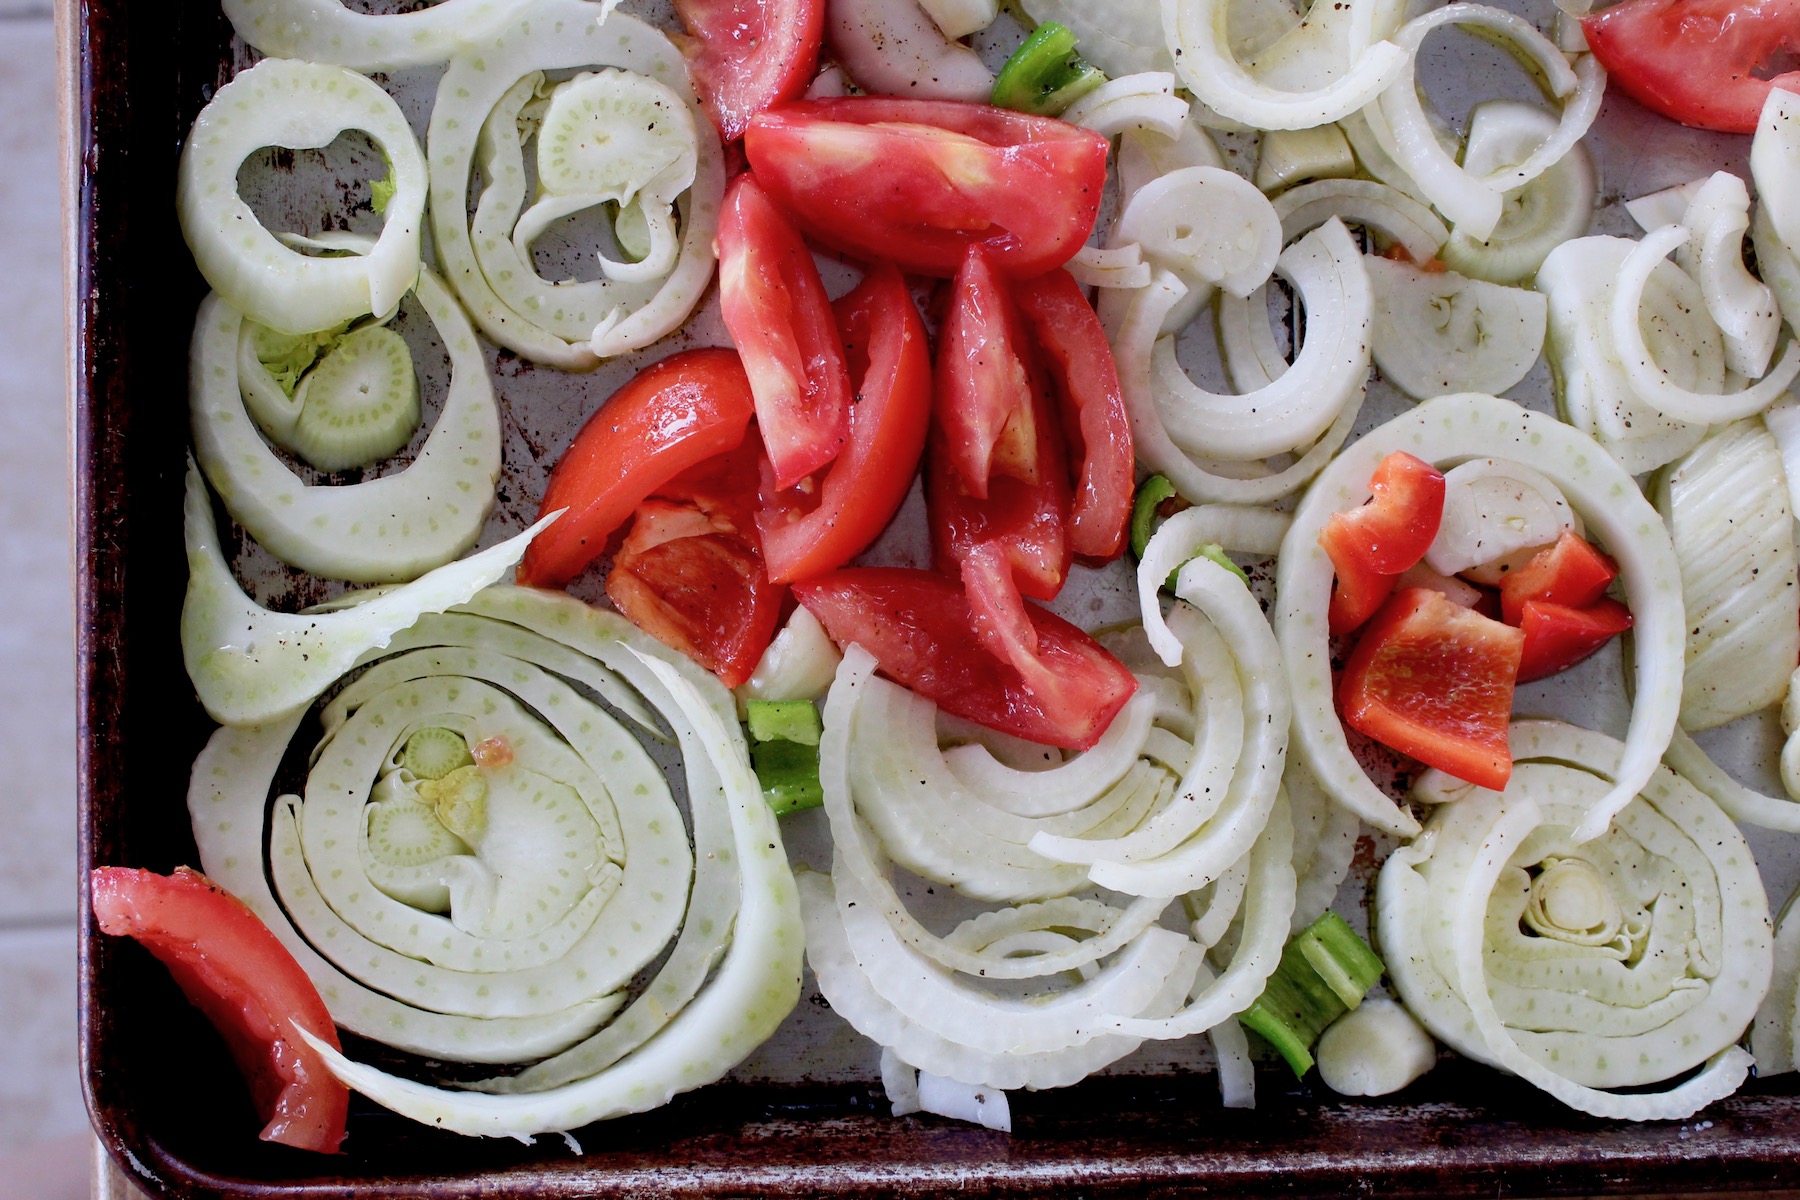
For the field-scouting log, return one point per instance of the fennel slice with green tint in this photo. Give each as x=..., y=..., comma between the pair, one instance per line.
x=1727, y=507
x=387, y=529
x=492, y=98
x=755, y=986
x=250, y=665
x=331, y=31
x=298, y=105
x=1617, y=962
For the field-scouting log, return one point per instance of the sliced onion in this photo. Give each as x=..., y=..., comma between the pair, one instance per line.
x=1349, y=81
x=1294, y=410
x=1145, y=101
x=1742, y=306
x=1445, y=430
x=1495, y=509
x=1133, y=335
x=1386, y=210
x=1650, y=380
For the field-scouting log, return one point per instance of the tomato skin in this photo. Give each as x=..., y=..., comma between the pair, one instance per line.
x=1079, y=357
x=749, y=54
x=1370, y=545
x=248, y=985
x=1023, y=522
x=780, y=319
x=1557, y=636
x=672, y=414
x=1693, y=60
x=916, y=181
x=890, y=365
x=1434, y=680
x=1569, y=572
x=917, y=624
x=690, y=573
x=983, y=400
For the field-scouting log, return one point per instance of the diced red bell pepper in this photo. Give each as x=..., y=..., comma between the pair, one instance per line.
x=1557, y=636
x=1434, y=680
x=1371, y=544
x=1571, y=573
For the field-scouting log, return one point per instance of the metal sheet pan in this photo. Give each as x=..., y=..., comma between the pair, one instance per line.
x=803, y=1117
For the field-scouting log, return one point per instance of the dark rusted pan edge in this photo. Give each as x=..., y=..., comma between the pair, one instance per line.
x=162, y=1093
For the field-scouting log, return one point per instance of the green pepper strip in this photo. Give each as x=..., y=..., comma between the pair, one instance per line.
x=1045, y=75
x=784, y=750
x=1325, y=971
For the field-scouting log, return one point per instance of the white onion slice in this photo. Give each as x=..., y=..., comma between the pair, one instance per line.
x=1255, y=531
x=1742, y=306
x=1377, y=206
x=1349, y=80
x=1494, y=508
x=1650, y=380
x=1206, y=224
x=1133, y=335
x=1143, y=102
x=894, y=47
x=1294, y=410
x=1473, y=204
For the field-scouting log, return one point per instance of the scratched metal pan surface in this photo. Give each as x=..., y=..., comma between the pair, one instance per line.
x=805, y=1115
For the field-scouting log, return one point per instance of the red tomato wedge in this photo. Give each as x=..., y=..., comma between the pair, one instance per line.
x=808, y=533
x=1371, y=544
x=984, y=401
x=1434, y=680
x=748, y=54
x=1080, y=363
x=1570, y=573
x=672, y=414
x=775, y=306
x=690, y=573
x=917, y=181
x=1697, y=61
x=234, y=970
x=1026, y=523
x=1557, y=636
x=918, y=626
